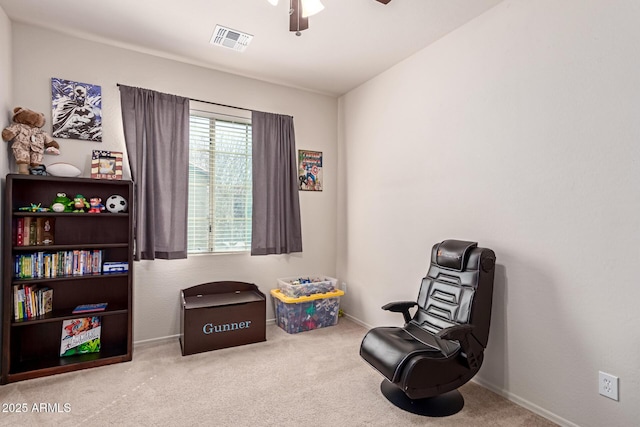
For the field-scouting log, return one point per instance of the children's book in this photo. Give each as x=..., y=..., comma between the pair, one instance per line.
x=80, y=336
x=47, y=300
x=88, y=308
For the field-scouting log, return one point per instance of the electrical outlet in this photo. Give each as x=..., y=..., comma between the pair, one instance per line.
x=344, y=287
x=608, y=385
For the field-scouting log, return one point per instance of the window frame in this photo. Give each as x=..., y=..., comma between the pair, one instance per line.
x=214, y=112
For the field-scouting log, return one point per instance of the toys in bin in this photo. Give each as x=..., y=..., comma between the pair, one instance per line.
x=306, y=313
x=295, y=287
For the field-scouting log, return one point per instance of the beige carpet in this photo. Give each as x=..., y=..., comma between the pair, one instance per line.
x=313, y=378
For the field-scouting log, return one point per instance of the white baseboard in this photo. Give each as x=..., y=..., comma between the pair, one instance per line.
x=358, y=321
x=525, y=403
x=175, y=337
x=156, y=340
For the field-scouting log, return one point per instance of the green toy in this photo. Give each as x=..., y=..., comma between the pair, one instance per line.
x=62, y=203
x=80, y=203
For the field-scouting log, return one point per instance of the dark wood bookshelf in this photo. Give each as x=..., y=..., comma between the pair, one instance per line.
x=30, y=347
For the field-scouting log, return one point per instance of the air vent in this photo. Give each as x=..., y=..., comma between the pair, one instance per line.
x=231, y=39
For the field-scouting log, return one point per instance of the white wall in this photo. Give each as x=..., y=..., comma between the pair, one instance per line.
x=5, y=106
x=6, y=95
x=41, y=54
x=520, y=131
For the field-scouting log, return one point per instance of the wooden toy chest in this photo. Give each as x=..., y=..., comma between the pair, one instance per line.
x=221, y=314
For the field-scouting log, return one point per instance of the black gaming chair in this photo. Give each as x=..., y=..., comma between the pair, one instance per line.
x=441, y=347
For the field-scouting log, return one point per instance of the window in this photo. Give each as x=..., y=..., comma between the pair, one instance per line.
x=219, y=183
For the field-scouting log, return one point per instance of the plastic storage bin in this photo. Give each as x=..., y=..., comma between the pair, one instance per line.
x=319, y=284
x=307, y=312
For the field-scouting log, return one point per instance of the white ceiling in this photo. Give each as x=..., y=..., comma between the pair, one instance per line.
x=346, y=44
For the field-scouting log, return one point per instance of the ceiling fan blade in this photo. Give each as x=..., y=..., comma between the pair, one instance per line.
x=296, y=21
x=384, y=1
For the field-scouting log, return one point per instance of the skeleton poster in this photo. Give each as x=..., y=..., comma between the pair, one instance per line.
x=76, y=110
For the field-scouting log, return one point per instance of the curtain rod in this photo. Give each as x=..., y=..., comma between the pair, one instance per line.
x=214, y=103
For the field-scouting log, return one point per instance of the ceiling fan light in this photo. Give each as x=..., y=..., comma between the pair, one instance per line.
x=273, y=2
x=311, y=7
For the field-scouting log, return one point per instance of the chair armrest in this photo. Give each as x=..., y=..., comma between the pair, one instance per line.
x=457, y=332
x=400, y=307
x=468, y=343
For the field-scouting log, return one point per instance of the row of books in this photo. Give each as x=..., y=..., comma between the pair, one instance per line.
x=30, y=231
x=40, y=265
x=31, y=301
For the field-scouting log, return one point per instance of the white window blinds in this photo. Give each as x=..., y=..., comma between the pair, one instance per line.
x=219, y=183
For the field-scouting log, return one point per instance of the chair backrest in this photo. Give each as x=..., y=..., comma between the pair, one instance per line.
x=458, y=289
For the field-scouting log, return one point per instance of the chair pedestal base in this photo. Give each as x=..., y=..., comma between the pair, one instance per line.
x=438, y=406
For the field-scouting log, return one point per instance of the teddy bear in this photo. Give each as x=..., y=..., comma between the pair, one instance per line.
x=30, y=142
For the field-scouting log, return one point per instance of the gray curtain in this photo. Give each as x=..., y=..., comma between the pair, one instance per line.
x=276, y=208
x=156, y=131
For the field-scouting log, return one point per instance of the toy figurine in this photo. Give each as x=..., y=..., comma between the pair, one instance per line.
x=80, y=203
x=62, y=203
x=34, y=208
x=96, y=206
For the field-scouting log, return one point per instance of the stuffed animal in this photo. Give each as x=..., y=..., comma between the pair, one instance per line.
x=30, y=142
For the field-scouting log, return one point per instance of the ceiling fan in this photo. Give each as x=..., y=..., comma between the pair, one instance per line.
x=301, y=10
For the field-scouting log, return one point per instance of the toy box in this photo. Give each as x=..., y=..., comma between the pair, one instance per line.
x=222, y=314
x=295, y=287
x=307, y=312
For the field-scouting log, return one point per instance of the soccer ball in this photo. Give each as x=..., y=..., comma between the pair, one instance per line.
x=116, y=204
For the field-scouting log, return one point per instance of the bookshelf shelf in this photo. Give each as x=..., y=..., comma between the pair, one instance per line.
x=69, y=278
x=31, y=346
x=58, y=315
x=73, y=214
x=44, y=366
x=54, y=248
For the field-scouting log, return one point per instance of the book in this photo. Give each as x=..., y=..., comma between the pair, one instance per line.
x=17, y=307
x=47, y=300
x=19, y=229
x=87, y=308
x=33, y=229
x=80, y=336
x=26, y=230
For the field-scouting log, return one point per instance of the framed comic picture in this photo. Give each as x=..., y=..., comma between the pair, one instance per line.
x=76, y=110
x=310, y=170
x=106, y=164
